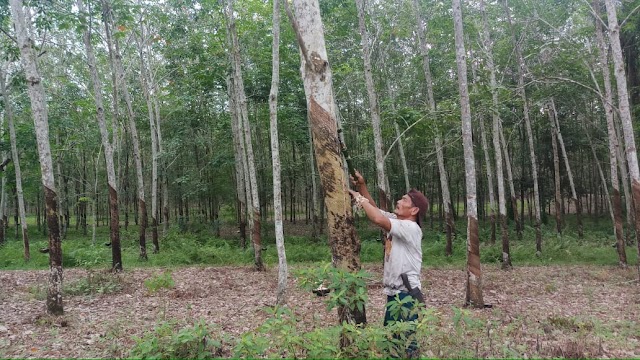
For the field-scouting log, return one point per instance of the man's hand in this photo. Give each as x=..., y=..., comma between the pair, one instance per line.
x=358, y=182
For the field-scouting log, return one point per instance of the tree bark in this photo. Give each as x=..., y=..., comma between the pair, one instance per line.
x=241, y=105
x=473, y=296
x=556, y=172
x=114, y=231
x=574, y=195
x=122, y=86
x=373, y=105
x=527, y=123
x=444, y=182
x=239, y=165
x=607, y=102
x=317, y=79
x=281, y=292
x=16, y=164
x=146, y=89
x=625, y=115
x=496, y=132
x=41, y=124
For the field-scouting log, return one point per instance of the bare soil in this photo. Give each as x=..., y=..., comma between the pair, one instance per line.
x=567, y=311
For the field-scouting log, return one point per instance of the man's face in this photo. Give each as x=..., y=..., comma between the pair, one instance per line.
x=404, y=207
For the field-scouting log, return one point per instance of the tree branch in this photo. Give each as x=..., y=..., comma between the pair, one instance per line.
x=8, y=35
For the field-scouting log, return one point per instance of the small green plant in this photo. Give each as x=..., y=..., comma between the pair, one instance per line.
x=346, y=288
x=161, y=281
x=195, y=342
x=94, y=283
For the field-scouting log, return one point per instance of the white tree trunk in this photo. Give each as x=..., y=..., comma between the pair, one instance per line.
x=146, y=89
x=565, y=157
x=112, y=180
x=607, y=102
x=239, y=164
x=15, y=157
x=281, y=292
x=444, y=182
x=512, y=190
x=122, y=86
x=474, y=271
x=625, y=114
x=502, y=206
x=556, y=172
x=317, y=79
x=41, y=124
x=527, y=125
x=373, y=105
x=241, y=105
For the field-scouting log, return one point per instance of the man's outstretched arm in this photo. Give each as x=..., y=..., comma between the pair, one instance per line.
x=373, y=213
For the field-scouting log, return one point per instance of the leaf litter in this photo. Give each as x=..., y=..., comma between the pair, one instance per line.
x=552, y=311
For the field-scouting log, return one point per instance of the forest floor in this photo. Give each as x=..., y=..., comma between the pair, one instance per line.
x=552, y=311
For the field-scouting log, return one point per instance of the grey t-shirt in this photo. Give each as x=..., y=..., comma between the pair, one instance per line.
x=404, y=256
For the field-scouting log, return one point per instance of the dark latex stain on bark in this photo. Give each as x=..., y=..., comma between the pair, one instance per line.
x=343, y=239
x=116, y=252
x=474, y=290
x=54, y=292
x=143, y=228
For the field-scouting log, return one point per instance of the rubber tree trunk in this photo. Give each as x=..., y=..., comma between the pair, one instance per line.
x=146, y=89
x=243, y=117
x=317, y=79
x=41, y=124
x=373, y=105
x=496, y=126
x=556, y=172
x=114, y=225
x=574, y=195
x=16, y=164
x=133, y=132
x=625, y=115
x=444, y=182
x=607, y=102
x=281, y=292
x=239, y=165
x=527, y=124
x=473, y=294
x=487, y=158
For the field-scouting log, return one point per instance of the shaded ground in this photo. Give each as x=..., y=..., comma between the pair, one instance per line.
x=563, y=311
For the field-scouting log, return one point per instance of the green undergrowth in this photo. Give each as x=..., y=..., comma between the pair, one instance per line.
x=200, y=247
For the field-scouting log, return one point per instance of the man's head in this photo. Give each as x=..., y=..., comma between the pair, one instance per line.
x=413, y=205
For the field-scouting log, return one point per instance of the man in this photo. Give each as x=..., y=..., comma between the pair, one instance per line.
x=403, y=246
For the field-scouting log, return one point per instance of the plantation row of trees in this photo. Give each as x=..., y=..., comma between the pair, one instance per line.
x=155, y=113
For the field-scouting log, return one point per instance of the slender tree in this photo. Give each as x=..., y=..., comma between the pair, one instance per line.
x=444, y=182
x=574, y=195
x=556, y=171
x=373, y=106
x=607, y=102
x=625, y=114
x=146, y=89
x=41, y=124
x=243, y=117
x=473, y=295
x=112, y=181
x=281, y=293
x=318, y=86
x=16, y=164
x=496, y=131
x=133, y=130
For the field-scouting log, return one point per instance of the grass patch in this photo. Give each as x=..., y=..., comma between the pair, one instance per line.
x=203, y=248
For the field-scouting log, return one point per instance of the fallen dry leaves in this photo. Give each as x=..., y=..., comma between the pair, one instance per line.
x=567, y=310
